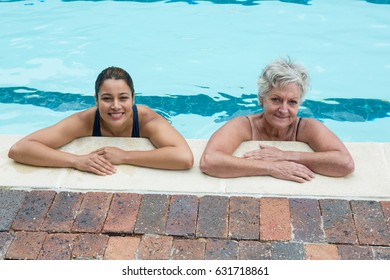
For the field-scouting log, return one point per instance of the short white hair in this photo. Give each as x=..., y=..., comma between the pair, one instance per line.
x=280, y=73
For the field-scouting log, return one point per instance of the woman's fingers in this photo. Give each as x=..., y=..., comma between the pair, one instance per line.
x=256, y=154
x=104, y=165
x=302, y=174
x=292, y=171
x=96, y=163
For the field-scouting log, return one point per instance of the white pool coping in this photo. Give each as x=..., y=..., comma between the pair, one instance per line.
x=370, y=181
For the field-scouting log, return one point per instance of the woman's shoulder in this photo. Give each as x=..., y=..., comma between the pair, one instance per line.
x=309, y=122
x=309, y=128
x=86, y=114
x=252, y=117
x=146, y=113
x=82, y=120
x=148, y=119
x=239, y=127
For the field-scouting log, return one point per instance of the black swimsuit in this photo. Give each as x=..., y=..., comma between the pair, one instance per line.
x=296, y=133
x=135, y=132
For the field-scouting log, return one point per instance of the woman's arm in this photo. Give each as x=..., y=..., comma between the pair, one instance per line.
x=172, y=150
x=41, y=147
x=217, y=159
x=330, y=156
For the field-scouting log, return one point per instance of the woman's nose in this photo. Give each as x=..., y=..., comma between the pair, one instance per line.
x=283, y=107
x=115, y=104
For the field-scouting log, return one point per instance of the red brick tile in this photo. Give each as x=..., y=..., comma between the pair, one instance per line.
x=123, y=213
x=213, y=217
x=155, y=247
x=370, y=223
x=321, y=252
x=244, y=218
x=62, y=213
x=188, y=249
x=287, y=251
x=381, y=253
x=182, y=215
x=306, y=220
x=26, y=245
x=254, y=250
x=92, y=213
x=5, y=241
x=386, y=212
x=338, y=222
x=153, y=213
x=122, y=248
x=10, y=202
x=33, y=211
x=355, y=252
x=218, y=249
x=89, y=246
x=275, y=219
x=57, y=246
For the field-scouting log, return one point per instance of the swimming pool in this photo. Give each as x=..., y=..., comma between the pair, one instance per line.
x=196, y=62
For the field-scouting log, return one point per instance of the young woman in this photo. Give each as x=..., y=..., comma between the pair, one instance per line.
x=115, y=115
x=282, y=87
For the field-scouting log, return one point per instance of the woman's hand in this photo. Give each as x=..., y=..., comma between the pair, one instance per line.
x=112, y=154
x=292, y=171
x=95, y=163
x=266, y=153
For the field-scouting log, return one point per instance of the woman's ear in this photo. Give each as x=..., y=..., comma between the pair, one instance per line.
x=261, y=101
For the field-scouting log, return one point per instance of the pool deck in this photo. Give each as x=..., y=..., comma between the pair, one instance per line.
x=142, y=213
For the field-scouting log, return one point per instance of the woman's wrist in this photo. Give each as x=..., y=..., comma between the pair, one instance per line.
x=73, y=161
x=291, y=156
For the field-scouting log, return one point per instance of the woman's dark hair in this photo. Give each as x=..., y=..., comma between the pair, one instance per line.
x=115, y=73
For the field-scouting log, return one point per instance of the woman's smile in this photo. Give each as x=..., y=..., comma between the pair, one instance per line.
x=116, y=115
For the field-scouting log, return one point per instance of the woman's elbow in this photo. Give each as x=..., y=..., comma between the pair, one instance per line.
x=186, y=160
x=205, y=164
x=13, y=152
x=346, y=168
x=349, y=166
x=189, y=161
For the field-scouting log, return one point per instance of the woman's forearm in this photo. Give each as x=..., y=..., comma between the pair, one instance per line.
x=37, y=154
x=171, y=158
x=332, y=163
x=226, y=166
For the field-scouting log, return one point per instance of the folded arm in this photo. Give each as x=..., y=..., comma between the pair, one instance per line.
x=330, y=156
x=41, y=148
x=172, y=151
x=218, y=159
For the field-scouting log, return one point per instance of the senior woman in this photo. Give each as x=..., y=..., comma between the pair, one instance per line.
x=282, y=87
x=115, y=115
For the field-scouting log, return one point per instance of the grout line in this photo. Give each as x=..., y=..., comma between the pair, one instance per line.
x=60, y=179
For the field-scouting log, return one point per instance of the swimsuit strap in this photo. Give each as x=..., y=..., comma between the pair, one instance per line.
x=296, y=132
x=135, y=132
x=96, y=124
x=250, y=123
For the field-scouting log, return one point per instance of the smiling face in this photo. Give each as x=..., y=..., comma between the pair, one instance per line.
x=281, y=105
x=115, y=103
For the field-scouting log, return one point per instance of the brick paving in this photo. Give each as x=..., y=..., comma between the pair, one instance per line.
x=47, y=225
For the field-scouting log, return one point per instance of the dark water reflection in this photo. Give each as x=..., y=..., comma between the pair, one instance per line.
x=225, y=105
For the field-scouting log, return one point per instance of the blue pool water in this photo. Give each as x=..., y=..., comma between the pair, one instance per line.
x=196, y=62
